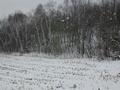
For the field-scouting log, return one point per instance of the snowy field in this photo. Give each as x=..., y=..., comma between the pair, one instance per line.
x=32, y=72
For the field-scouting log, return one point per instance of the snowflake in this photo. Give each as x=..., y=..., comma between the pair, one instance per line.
x=111, y=19
x=68, y=18
x=115, y=14
x=62, y=20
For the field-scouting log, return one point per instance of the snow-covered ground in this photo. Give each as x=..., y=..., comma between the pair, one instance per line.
x=42, y=73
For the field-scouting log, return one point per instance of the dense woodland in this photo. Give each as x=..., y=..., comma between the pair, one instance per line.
x=77, y=27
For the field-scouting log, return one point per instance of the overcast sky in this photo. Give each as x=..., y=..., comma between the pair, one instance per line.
x=10, y=6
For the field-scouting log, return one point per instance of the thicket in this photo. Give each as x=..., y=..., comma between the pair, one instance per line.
x=77, y=27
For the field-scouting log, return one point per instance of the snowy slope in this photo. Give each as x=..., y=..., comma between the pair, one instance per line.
x=39, y=73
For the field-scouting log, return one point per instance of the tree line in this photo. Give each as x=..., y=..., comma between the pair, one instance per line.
x=77, y=27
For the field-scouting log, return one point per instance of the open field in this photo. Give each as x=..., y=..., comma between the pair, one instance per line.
x=32, y=72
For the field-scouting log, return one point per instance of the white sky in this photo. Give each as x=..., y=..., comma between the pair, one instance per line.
x=10, y=6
